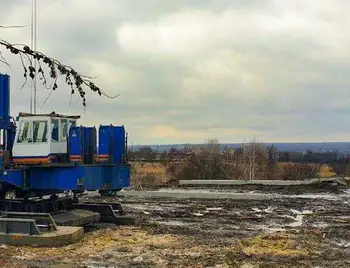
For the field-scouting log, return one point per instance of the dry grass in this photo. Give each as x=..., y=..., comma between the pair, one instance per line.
x=326, y=172
x=273, y=245
x=128, y=239
x=148, y=174
x=126, y=245
x=10, y=264
x=149, y=168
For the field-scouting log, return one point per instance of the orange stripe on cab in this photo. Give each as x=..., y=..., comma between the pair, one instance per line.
x=32, y=160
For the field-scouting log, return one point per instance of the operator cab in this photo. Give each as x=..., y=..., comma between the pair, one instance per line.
x=42, y=138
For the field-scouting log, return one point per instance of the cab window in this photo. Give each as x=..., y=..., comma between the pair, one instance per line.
x=54, y=130
x=63, y=135
x=40, y=131
x=25, y=133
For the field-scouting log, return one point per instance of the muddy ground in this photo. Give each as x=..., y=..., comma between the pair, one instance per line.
x=298, y=231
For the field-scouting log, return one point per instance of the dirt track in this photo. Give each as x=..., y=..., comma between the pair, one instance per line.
x=308, y=231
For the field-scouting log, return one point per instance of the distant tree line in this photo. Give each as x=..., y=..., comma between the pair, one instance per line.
x=251, y=160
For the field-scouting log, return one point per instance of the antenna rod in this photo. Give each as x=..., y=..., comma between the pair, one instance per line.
x=31, y=46
x=34, y=48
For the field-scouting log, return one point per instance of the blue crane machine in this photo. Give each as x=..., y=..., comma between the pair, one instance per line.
x=45, y=156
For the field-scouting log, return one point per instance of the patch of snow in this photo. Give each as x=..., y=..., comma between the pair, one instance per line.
x=172, y=223
x=314, y=196
x=319, y=224
x=145, y=207
x=269, y=210
x=256, y=209
x=213, y=209
x=19, y=257
x=206, y=191
x=343, y=244
x=139, y=207
x=266, y=210
x=182, y=191
x=298, y=221
x=93, y=264
x=138, y=259
x=294, y=211
x=304, y=212
x=254, y=194
x=248, y=265
x=198, y=214
x=194, y=254
x=273, y=230
x=307, y=212
x=346, y=191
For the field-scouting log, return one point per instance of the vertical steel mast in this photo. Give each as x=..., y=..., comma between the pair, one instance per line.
x=33, y=94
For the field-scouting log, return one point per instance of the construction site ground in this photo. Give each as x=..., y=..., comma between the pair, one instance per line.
x=301, y=227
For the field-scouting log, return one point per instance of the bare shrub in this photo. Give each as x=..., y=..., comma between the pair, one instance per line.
x=342, y=167
x=203, y=164
x=299, y=171
x=210, y=163
x=253, y=160
x=272, y=162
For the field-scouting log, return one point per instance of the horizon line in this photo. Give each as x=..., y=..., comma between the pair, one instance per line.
x=222, y=143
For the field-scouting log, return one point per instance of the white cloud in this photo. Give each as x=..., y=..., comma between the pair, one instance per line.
x=175, y=34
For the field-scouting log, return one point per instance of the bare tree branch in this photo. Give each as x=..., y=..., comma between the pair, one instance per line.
x=4, y=61
x=47, y=98
x=75, y=80
x=25, y=71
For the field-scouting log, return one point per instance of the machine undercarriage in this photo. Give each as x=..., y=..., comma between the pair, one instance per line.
x=44, y=156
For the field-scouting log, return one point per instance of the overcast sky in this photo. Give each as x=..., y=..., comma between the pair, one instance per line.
x=189, y=70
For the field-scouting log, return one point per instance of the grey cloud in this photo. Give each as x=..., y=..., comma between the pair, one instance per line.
x=135, y=10
x=302, y=87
